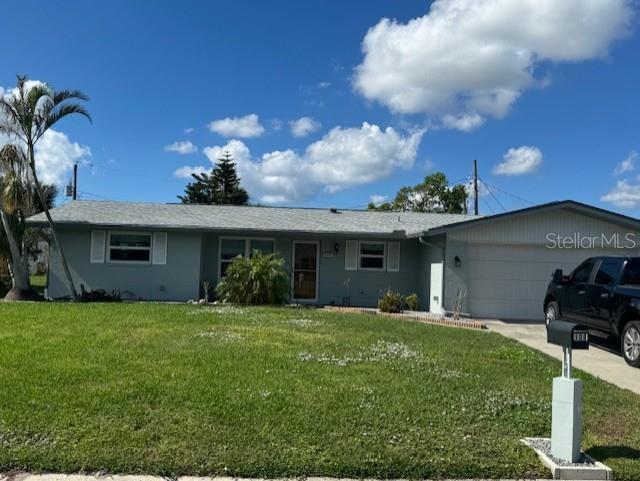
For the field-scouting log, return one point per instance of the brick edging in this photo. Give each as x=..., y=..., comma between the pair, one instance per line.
x=442, y=321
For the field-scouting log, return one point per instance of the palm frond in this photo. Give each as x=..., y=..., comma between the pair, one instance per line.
x=10, y=116
x=60, y=96
x=62, y=111
x=15, y=180
x=38, y=94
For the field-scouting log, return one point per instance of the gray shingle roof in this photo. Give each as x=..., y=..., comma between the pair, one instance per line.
x=226, y=218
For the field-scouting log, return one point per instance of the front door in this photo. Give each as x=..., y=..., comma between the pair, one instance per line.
x=305, y=271
x=435, y=289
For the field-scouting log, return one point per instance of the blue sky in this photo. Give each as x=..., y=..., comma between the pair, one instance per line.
x=433, y=91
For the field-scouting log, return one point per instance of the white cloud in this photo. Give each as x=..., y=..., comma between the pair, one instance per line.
x=344, y=157
x=186, y=171
x=181, y=147
x=304, y=126
x=378, y=199
x=473, y=58
x=323, y=85
x=242, y=127
x=626, y=165
x=465, y=122
x=189, y=130
x=624, y=194
x=519, y=161
x=55, y=155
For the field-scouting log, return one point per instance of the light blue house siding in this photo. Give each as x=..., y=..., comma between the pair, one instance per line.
x=335, y=283
x=193, y=256
x=177, y=280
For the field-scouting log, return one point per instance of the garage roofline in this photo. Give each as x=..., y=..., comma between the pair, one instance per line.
x=579, y=207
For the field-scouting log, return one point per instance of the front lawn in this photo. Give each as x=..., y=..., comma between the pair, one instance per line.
x=177, y=389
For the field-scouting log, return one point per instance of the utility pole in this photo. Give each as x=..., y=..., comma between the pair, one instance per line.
x=475, y=187
x=75, y=181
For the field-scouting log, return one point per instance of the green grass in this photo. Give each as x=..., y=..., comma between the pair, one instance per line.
x=38, y=281
x=176, y=389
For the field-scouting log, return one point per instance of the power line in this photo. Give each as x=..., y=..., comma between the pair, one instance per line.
x=90, y=194
x=492, y=194
x=135, y=174
x=511, y=195
x=488, y=206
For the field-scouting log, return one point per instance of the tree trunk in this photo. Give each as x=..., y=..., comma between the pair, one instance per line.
x=21, y=287
x=54, y=234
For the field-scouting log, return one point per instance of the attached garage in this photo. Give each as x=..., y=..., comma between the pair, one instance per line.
x=502, y=264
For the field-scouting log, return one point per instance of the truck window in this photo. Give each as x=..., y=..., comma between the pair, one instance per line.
x=582, y=273
x=632, y=272
x=608, y=271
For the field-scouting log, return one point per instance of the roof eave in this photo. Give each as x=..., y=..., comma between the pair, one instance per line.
x=396, y=234
x=579, y=207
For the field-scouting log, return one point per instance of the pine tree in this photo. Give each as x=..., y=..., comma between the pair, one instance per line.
x=221, y=186
x=228, y=182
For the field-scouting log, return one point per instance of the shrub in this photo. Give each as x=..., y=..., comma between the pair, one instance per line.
x=390, y=301
x=261, y=279
x=412, y=301
x=98, y=295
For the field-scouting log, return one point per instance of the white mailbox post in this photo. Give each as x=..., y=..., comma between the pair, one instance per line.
x=566, y=409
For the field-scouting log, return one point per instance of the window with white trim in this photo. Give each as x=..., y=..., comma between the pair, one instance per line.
x=130, y=247
x=232, y=247
x=372, y=255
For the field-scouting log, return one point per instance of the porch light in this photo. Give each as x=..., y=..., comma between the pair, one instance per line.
x=457, y=261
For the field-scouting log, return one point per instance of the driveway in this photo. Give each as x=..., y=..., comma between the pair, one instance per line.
x=600, y=360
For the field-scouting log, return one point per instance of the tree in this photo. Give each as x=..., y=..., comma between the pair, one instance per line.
x=18, y=200
x=432, y=195
x=26, y=114
x=14, y=200
x=221, y=186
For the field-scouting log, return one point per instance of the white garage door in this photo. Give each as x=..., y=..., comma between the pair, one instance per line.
x=510, y=282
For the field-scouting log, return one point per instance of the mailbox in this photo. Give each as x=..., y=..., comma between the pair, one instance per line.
x=568, y=335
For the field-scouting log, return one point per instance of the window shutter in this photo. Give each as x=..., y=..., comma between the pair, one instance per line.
x=97, y=246
x=393, y=256
x=351, y=256
x=160, y=248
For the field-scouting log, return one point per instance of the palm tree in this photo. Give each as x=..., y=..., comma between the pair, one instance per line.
x=16, y=196
x=26, y=114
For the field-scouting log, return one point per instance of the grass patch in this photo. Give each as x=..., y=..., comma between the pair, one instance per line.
x=38, y=282
x=176, y=389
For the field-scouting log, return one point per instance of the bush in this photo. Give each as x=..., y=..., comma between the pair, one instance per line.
x=390, y=301
x=261, y=279
x=98, y=295
x=412, y=301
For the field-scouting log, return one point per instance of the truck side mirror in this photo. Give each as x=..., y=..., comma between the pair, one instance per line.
x=557, y=276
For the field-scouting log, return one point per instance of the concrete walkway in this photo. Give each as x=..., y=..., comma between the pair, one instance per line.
x=98, y=477
x=600, y=360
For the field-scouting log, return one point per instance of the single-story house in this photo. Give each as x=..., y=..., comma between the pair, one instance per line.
x=496, y=266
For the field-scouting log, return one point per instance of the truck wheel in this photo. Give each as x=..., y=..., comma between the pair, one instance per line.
x=631, y=343
x=551, y=313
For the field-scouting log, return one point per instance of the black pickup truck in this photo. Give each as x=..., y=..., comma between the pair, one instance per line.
x=602, y=293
